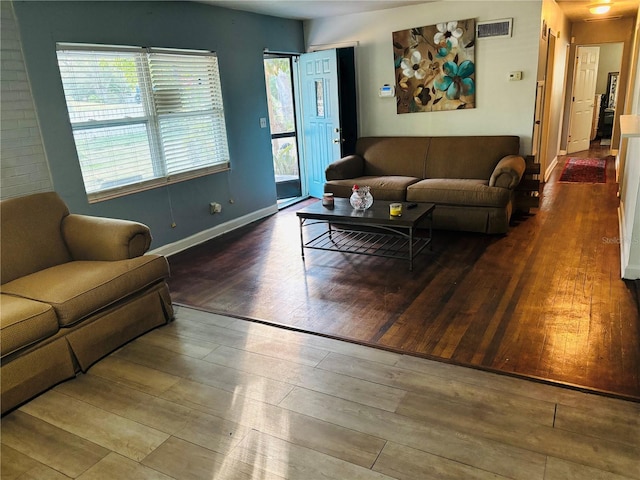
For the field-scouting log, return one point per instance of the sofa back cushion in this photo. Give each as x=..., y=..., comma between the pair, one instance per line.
x=30, y=235
x=468, y=157
x=403, y=156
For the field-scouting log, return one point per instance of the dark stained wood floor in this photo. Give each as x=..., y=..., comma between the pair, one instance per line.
x=544, y=301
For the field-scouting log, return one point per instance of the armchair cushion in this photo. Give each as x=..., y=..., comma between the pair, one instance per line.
x=76, y=290
x=97, y=238
x=24, y=322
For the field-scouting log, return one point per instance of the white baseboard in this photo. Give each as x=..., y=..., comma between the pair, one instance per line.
x=628, y=270
x=562, y=152
x=632, y=272
x=201, y=237
x=550, y=168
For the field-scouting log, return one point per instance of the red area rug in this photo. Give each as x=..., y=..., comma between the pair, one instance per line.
x=585, y=170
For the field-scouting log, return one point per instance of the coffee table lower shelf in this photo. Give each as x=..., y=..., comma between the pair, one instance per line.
x=384, y=242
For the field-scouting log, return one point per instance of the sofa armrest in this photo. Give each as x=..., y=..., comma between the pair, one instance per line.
x=508, y=172
x=108, y=239
x=351, y=166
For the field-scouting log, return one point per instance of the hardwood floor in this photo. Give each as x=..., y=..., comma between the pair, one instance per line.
x=212, y=397
x=544, y=301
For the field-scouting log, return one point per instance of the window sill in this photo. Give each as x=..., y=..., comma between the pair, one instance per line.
x=125, y=190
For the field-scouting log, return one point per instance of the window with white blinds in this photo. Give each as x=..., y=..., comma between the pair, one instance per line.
x=143, y=117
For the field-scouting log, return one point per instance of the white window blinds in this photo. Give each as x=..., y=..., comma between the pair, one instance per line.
x=143, y=117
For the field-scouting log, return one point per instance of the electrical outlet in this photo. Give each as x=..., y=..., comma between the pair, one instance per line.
x=214, y=208
x=263, y=122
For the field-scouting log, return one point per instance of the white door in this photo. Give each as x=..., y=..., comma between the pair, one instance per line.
x=320, y=115
x=584, y=89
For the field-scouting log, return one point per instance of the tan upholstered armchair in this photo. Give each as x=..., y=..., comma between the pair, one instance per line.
x=73, y=289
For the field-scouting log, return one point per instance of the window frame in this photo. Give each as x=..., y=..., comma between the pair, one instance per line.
x=151, y=121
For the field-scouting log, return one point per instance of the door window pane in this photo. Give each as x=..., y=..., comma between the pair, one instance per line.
x=280, y=91
x=319, y=98
x=285, y=156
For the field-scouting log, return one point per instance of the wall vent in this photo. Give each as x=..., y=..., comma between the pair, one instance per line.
x=494, y=28
x=600, y=19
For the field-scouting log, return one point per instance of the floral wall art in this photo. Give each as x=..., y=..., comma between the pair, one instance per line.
x=435, y=67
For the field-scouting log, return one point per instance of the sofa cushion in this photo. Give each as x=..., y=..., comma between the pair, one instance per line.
x=468, y=157
x=30, y=234
x=78, y=289
x=458, y=192
x=24, y=322
x=391, y=188
x=394, y=155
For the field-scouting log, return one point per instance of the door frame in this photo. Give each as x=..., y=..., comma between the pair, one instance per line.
x=295, y=87
x=545, y=127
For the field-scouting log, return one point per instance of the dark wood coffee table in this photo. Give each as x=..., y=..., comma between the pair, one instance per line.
x=370, y=232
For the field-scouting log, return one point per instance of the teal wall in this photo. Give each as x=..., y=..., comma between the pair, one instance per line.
x=239, y=38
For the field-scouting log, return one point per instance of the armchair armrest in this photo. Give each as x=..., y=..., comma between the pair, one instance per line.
x=108, y=239
x=508, y=172
x=351, y=166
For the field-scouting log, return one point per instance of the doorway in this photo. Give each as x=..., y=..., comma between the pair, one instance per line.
x=328, y=114
x=546, y=129
x=610, y=61
x=279, y=78
x=582, y=102
x=313, y=115
x=607, y=92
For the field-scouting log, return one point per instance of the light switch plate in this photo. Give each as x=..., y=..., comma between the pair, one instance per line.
x=514, y=76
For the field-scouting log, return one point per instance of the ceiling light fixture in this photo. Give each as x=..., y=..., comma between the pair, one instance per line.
x=600, y=8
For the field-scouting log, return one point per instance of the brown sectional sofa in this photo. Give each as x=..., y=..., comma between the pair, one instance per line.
x=73, y=289
x=470, y=179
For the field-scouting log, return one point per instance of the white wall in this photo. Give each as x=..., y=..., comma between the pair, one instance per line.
x=560, y=28
x=24, y=167
x=503, y=107
x=629, y=210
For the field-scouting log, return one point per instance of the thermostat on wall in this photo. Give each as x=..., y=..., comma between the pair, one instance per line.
x=387, y=91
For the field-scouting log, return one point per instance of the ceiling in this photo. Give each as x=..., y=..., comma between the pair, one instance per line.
x=308, y=9
x=575, y=10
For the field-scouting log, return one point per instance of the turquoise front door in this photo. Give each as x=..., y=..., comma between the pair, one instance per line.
x=320, y=115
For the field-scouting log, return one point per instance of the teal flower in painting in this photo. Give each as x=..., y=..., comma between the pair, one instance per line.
x=456, y=81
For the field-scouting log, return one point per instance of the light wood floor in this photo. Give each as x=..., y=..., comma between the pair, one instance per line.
x=213, y=397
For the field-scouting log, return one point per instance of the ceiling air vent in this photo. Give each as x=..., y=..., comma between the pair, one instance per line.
x=494, y=28
x=600, y=19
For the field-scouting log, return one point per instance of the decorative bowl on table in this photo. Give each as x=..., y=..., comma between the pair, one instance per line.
x=361, y=198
